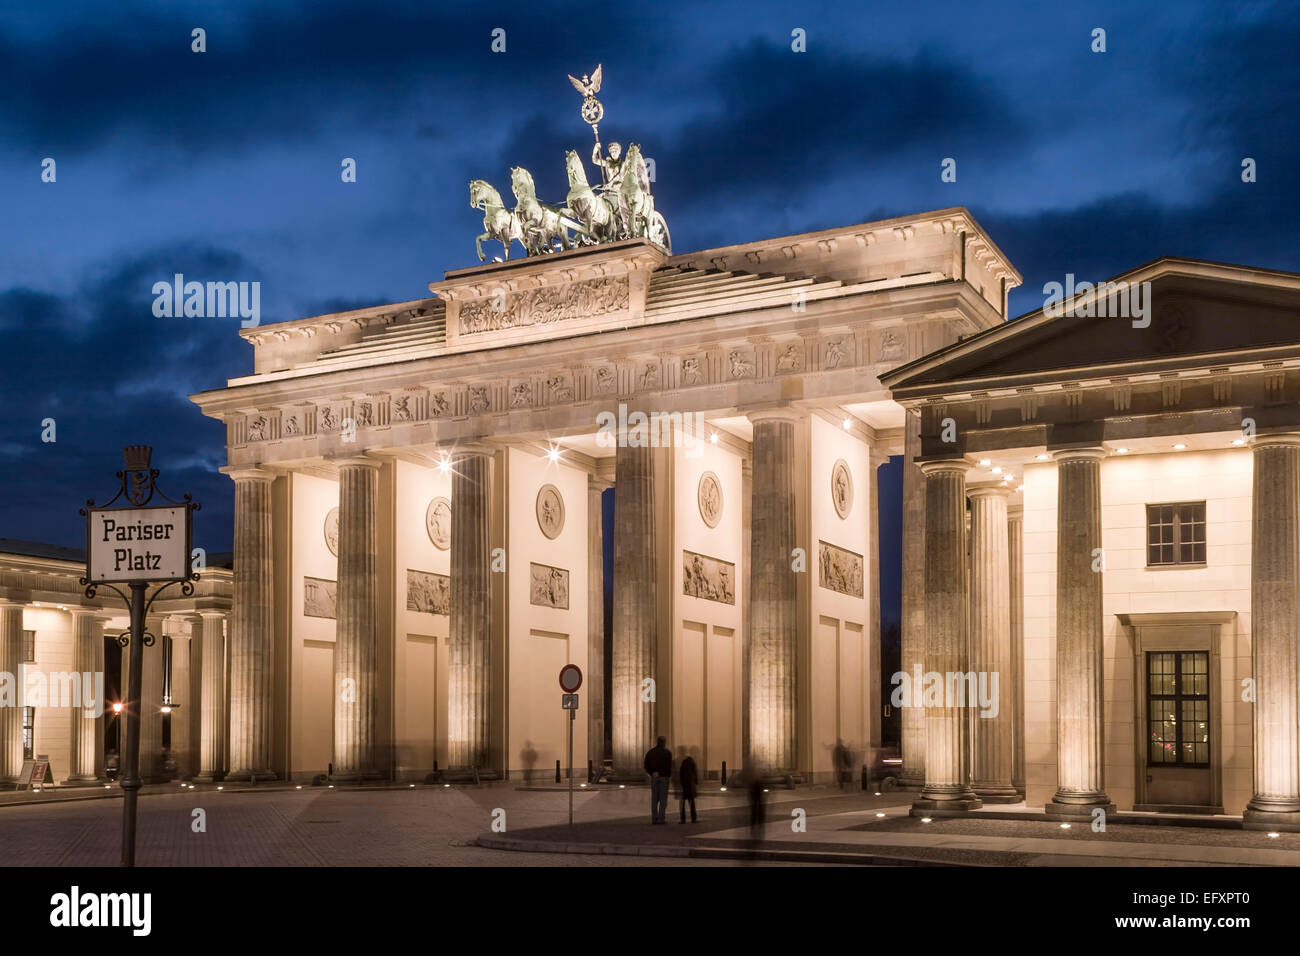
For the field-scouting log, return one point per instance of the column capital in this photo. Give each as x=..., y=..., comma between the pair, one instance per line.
x=937, y=465
x=989, y=489
x=1016, y=511
x=12, y=602
x=1082, y=452
x=358, y=461
x=597, y=483
x=775, y=413
x=1282, y=438
x=247, y=473
x=207, y=613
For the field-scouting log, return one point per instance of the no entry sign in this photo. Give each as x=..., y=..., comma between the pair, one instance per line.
x=570, y=678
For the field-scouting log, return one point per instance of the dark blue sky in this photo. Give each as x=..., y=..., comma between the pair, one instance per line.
x=225, y=166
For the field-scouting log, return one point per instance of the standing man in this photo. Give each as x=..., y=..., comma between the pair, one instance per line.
x=659, y=765
x=690, y=778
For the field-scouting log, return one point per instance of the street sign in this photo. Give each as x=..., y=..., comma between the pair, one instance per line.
x=569, y=701
x=138, y=544
x=570, y=678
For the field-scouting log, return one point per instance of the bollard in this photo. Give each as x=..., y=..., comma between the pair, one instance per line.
x=724, y=773
x=864, y=776
x=590, y=771
x=557, y=771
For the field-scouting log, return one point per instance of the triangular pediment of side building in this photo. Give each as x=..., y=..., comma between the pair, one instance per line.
x=1194, y=313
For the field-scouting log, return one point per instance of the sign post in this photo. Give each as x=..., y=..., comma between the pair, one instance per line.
x=570, y=681
x=134, y=544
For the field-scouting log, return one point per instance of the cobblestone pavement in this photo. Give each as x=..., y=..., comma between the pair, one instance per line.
x=424, y=826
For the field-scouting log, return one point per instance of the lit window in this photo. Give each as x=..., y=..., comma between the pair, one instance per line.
x=1176, y=533
x=1178, y=708
x=29, y=732
x=29, y=647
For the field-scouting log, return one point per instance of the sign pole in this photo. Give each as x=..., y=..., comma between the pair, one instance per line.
x=573, y=715
x=138, y=545
x=131, y=713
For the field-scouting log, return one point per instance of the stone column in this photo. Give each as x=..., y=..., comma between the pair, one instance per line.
x=1080, y=736
x=469, y=679
x=913, y=604
x=594, y=683
x=84, y=740
x=635, y=651
x=947, y=641
x=152, y=760
x=1016, y=569
x=11, y=717
x=212, y=698
x=1275, y=631
x=183, y=707
x=874, y=652
x=354, y=647
x=773, y=614
x=990, y=639
x=250, y=629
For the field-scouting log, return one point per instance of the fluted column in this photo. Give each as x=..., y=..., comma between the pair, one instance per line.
x=594, y=683
x=912, y=660
x=1080, y=732
x=990, y=637
x=635, y=651
x=183, y=711
x=250, y=629
x=1016, y=694
x=11, y=715
x=947, y=641
x=152, y=759
x=773, y=614
x=470, y=676
x=212, y=697
x=1275, y=632
x=354, y=647
x=84, y=728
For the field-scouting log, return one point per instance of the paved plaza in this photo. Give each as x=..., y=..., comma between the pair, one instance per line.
x=452, y=826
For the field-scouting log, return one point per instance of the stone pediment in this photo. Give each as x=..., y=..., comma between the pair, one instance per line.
x=1195, y=313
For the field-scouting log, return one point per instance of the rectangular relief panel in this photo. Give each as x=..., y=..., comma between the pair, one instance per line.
x=428, y=592
x=710, y=579
x=548, y=587
x=319, y=598
x=840, y=570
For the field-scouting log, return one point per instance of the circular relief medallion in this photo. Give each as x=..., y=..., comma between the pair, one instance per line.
x=332, y=531
x=709, y=495
x=437, y=521
x=842, y=488
x=550, y=511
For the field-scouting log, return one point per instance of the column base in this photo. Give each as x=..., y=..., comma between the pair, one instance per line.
x=1079, y=808
x=210, y=778
x=83, y=780
x=947, y=800
x=995, y=794
x=909, y=781
x=1282, y=820
x=246, y=776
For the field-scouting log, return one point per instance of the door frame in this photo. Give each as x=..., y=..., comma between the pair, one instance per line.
x=1214, y=622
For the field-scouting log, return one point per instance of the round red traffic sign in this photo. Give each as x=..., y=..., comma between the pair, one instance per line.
x=570, y=678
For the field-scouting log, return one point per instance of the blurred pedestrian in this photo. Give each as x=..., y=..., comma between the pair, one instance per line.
x=689, y=778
